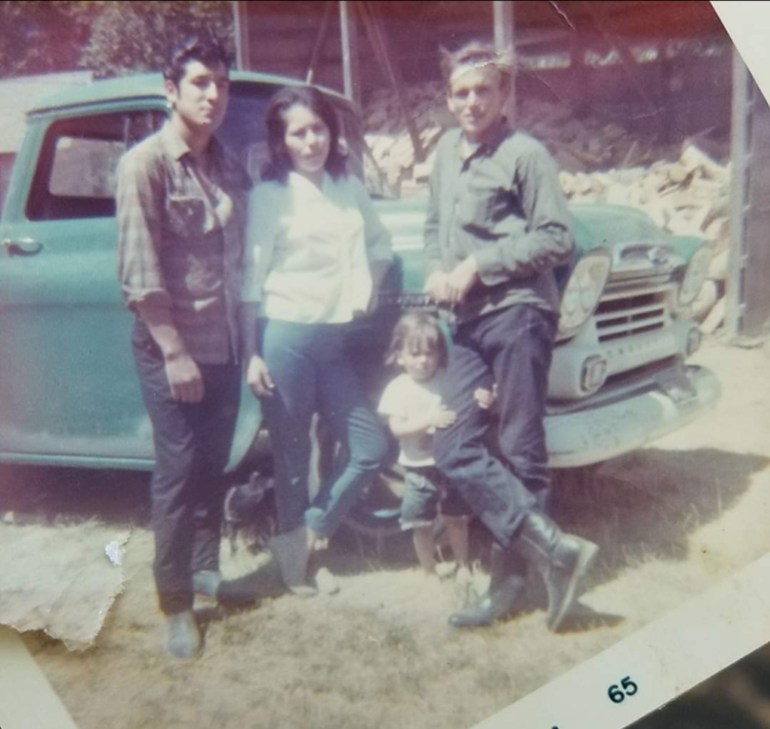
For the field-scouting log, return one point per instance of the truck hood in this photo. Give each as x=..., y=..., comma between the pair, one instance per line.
x=616, y=228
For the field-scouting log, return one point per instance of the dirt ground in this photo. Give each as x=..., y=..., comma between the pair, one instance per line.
x=670, y=520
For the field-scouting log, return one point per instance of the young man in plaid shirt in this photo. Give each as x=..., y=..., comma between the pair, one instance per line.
x=181, y=211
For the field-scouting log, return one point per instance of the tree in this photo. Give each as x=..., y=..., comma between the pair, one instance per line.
x=136, y=36
x=108, y=38
x=41, y=37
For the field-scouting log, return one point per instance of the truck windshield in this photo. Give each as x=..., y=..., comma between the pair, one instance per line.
x=75, y=175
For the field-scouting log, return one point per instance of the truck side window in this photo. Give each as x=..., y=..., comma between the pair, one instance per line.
x=75, y=177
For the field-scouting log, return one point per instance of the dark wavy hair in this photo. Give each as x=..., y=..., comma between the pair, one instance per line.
x=417, y=331
x=279, y=163
x=205, y=48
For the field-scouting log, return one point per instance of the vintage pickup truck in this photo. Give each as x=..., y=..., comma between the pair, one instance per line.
x=68, y=390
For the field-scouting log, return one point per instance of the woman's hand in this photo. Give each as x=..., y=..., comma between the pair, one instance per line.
x=258, y=377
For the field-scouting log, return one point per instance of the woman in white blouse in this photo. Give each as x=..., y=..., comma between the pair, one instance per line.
x=315, y=254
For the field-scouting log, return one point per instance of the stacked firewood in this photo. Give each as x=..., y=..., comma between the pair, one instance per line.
x=688, y=196
x=683, y=187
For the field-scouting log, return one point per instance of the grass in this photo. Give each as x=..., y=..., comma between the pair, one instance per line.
x=381, y=654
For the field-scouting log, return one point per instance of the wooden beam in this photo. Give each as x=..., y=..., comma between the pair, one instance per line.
x=351, y=79
x=599, y=17
x=379, y=43
x=735, y=289
x=323, y=32
x=241, y=32
x=502, y=18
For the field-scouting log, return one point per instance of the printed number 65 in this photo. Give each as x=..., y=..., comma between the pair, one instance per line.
x=629, y=688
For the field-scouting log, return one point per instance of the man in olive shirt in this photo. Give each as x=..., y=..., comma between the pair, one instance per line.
x=180, y=211
x=497, y=227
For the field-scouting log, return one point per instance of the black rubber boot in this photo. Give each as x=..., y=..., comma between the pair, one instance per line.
x=562, y=559
x=504, y=596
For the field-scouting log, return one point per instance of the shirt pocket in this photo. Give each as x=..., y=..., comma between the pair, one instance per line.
x=186, y=216
x=479, y=205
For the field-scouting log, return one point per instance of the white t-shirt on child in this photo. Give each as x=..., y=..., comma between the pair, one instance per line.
x=404, y=397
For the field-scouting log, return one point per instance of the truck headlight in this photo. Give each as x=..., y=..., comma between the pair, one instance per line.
x=694, y=276
x=583, y=290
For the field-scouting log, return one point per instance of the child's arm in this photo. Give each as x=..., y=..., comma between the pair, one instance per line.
x=416, y=424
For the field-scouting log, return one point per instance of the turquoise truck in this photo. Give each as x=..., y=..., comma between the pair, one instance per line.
x=68, y=391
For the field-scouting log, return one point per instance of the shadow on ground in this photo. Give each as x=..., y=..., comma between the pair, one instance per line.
x=637, y=507
x=645, y=505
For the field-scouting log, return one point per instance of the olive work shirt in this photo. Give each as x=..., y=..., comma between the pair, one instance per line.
x=502, y=203
x=181, y=238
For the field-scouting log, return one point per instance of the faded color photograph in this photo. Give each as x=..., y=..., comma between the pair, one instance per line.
x=373, y=363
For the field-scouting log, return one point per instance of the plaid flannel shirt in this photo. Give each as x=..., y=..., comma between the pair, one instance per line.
x=180, y=239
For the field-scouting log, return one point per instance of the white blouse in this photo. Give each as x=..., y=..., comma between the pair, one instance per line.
x=308, y=249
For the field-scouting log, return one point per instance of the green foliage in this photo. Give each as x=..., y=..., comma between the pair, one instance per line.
x=41, y=37
x=108, y=38
x=136, y=36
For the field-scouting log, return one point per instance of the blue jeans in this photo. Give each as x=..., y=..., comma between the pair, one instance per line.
x=512, y=348
x=312, y=373
x=192, y=446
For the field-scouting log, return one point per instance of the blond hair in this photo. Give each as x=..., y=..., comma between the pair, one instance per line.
x=477, y=53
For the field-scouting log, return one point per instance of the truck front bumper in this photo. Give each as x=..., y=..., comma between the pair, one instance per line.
x=602, y=430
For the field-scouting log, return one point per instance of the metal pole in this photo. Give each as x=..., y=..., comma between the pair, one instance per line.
x=240, y=40
x=502, y=18
x=502, y=13
x=347, y=71
x=735, y=303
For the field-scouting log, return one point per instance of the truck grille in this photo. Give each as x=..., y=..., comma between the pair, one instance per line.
x=625, y=314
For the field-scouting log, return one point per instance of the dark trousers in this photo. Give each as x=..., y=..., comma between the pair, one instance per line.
x=312, y=373
x=511, y=347
x=192, y=447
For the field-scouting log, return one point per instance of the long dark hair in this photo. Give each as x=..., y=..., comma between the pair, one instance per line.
x=279, y=163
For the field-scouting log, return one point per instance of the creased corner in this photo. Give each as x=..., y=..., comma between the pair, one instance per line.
x=62, y=580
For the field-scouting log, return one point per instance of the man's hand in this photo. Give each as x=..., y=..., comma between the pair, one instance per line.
x=184, y=378
x=436, y=286
x=460, y=279
x=258, y=377
x=486, y=399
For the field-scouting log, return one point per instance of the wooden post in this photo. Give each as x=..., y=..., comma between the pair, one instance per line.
x=502, y=15
x=349, y=37
x=319, y=42
x=382, y=53
x=735, y=289
x=241, y=32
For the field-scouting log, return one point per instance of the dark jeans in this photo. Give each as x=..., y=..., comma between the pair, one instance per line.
x=313, y=374
x=512, y=348
x=192, y=446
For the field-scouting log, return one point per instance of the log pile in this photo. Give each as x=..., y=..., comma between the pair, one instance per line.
x=684, y=188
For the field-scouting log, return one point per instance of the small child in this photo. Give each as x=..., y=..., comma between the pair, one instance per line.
x=413, y=407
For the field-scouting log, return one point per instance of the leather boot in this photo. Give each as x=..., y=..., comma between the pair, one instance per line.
x=183, y=637
x=503, y=598
x=291, y=552
x=562, y=560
